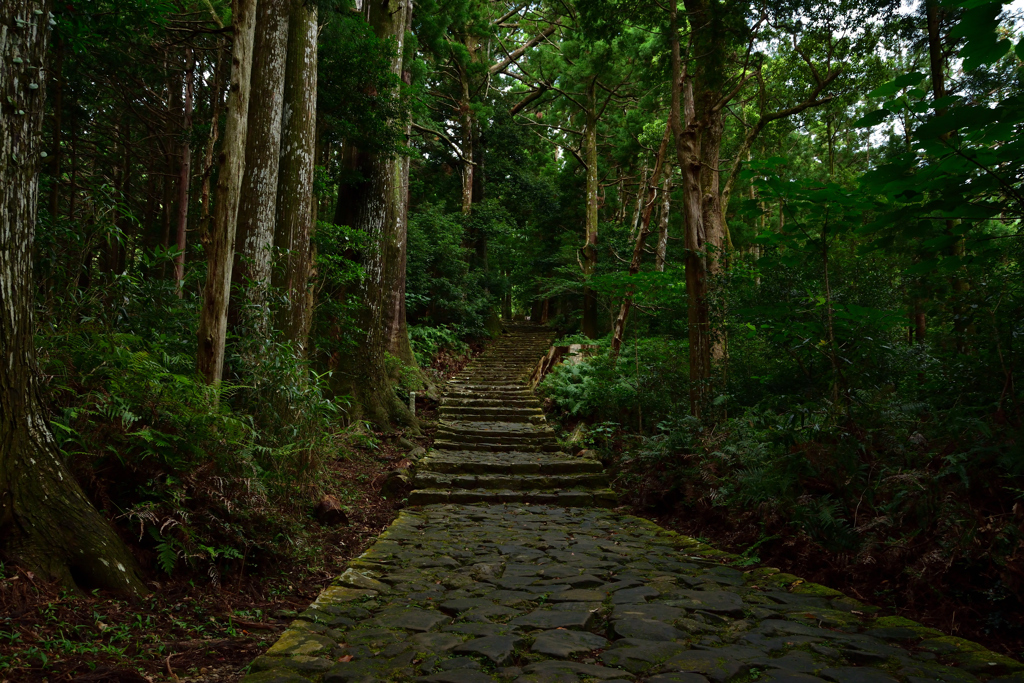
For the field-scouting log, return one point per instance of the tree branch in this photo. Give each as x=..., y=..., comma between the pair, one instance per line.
x=811, y=101
x=517, y=53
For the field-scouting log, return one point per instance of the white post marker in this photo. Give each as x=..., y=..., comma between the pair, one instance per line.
x=412, y=402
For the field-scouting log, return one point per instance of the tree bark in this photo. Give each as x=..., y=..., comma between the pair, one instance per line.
x=398, y=334
x=380, y=212
x=590, y=243
x=46, y=521
x=637, y=212
x=295, y=177
x=689, y=158
x=58, y=114
x=466, y=117
x=257, y=211
x=185, y=172
x=220, y=256
x=216, y=96
x=666, y=205
x=619, y=326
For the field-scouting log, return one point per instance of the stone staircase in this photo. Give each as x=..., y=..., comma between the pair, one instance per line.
x=493, y=444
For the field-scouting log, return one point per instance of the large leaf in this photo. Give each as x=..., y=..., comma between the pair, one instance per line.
x=894, y=86
x=872, y=118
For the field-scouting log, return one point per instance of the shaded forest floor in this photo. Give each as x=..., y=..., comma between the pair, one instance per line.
x=188, y=629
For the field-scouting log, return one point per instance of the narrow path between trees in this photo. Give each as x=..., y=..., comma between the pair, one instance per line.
x=508, y=569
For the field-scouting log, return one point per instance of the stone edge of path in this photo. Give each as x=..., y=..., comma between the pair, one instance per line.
x=306, y=649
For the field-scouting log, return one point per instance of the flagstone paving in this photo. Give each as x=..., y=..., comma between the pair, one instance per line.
x=510, y=567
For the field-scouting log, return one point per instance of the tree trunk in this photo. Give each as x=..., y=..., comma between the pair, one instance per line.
x=58, y=113
x=185, y=172
x=295, y=176
x=220, y=258
x=639, y=198
x=380, y=212
x=257, y=211
x=936, y=61
x=590, y=245
x=619, y=326
x=666, y=205
x=216, y=92
x=398, y=336
x=466, y=118
x=46, y=521
x=689, y=158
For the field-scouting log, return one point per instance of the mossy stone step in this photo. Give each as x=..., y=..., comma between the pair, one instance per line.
x=508, y=462
x=490, y=447
x=494, y=395
x=604, y=498
x=520, y=401
x=484, y=414
x=497, y=386
x=495, y=428
x=510, y=481
x=496, y=432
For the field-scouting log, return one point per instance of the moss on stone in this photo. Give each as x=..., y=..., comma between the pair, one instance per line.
x=334, y=595
x=949, y=645
x=810, y=588
x=885, y=622
x=903, y=622
x=720, y=554
x=759, y=574
x=781, y=579
x=299, y=642
x=984, y=661
x=275, y=676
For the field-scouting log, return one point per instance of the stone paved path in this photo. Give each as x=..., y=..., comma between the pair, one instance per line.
x=508, y=569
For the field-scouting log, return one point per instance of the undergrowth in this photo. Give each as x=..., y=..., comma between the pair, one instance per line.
x=886, y=485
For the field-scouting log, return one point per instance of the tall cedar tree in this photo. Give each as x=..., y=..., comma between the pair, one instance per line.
x=46, y=522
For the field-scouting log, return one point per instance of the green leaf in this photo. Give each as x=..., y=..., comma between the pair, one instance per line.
x=978, y=27
x=925, y=266
x=872, y=118
x=894, y=86
x=980, y=53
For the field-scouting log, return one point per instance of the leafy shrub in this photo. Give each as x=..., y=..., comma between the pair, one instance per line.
x=646, y=385
x=200, y=477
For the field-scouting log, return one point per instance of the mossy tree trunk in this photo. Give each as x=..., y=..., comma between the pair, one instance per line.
x=295, y=216
x=46, y=521
x=379, y=209
x=257, y=212
x=220, y=251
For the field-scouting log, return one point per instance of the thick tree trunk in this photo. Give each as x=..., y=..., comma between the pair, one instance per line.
x=590, y=244
x=295, y=179
x=257, y=211
x=380, y=212
x=46, y=522
x=185, y=172
x=58, y=113
x=689, y=159
x=398, y=335
x=221, y=249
